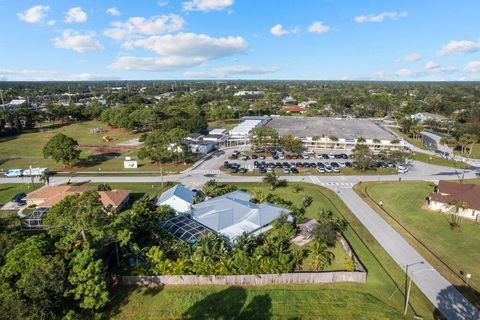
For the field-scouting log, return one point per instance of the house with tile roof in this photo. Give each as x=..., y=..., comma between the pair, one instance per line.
x=448, y=195
x=49, y=196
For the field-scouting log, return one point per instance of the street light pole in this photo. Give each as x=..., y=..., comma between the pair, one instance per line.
x=407, y=296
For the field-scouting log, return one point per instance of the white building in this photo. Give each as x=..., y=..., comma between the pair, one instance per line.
x=448, y=195
x=178, y=198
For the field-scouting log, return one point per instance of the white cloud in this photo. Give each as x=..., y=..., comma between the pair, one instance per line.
x=179, y=51
x=318, y=27
x=74, y=40
x=75, y=15
x=137, y=26
x=412, y=57
x=193, y=45
x=278, y=30
x=232, y=70
x=51, y=22
x=35, y=14
x=432, y=67
x=459, y=47
x=380, y=17
x=159, y=64
x=206, y=5
x=406, y=73
x=162, y=3
x=473, y=67
x=114, y=12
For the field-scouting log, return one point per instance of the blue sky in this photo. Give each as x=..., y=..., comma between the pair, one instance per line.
x=240, y=39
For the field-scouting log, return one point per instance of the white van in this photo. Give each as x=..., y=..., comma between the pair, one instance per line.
x=13, y=173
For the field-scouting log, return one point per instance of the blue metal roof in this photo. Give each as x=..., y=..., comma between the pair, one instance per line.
x=178, y=191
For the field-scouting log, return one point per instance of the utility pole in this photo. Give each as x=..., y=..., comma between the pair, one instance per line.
x=407, y=296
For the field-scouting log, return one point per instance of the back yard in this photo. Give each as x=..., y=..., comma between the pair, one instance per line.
x=380, y=298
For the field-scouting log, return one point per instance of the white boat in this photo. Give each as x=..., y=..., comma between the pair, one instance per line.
x=36, y=172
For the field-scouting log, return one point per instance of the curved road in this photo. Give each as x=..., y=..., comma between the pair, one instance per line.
x=436, y=288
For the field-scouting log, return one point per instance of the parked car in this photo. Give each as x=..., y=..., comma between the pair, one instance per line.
x=318, y=156
x=19, y=197
x=261, y=158
x=243, y=170
x=321, y=169
x=36, y=172
x=306, y=156
x=325, y=156
x=13, y=173
x=226, y=164
x=294, y=170
x=328, y=168
x=402, y=169
x=286, y=170
x=234, y=170
x=254, y=157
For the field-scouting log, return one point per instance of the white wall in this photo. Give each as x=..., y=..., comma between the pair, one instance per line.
x=468, y=214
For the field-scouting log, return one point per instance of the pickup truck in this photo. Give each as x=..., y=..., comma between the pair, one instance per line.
x=36, y=172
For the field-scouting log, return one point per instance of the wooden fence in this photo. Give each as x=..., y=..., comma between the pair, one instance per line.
x=249, y=279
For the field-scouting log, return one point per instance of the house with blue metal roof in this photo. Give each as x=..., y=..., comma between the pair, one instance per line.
x=179, y=198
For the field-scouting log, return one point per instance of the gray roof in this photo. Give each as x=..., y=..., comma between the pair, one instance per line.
x=179, y=191
x=339, y=127
x=233, y=214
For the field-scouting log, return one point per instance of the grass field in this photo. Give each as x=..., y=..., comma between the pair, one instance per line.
x=21, y=150
x=226, y=124
x=380, y=298
x=439, y=161
x=402, y=207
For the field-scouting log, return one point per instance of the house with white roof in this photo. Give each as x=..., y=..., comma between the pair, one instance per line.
x=233, y=214
x=178, y=198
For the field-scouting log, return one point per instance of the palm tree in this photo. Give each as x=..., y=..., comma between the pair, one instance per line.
x=45, y=177
x=361, y=140
x=259, y=196
x=456, y=216
x=321, y=256
x=271, y=179
x=464, y=141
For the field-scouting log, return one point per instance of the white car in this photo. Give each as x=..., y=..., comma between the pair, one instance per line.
x=306, y=156
x=309, y=152
x=331, y=155
x=321, y=169
x=281, y=157
x=13, y=173
x=318, y=156
x=402, y=169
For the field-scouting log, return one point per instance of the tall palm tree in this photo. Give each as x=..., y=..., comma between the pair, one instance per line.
x=271, y=179
x=321, y=256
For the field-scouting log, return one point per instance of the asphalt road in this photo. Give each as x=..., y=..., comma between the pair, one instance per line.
x=435, y=287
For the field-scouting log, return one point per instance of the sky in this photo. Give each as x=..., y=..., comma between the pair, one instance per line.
x=417, y=40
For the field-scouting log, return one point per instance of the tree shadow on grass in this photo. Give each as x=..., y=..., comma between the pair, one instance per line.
x=229, y=304
x=97, y=159
x=120, y=296
x=451, y=304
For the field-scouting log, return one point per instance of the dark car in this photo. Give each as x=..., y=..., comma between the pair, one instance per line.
x=19, y=197
x=338, y=156
x=234, y=170
x=226, y=164
x=325, y=156
x=243, y=170
x=299, y=164
x=348, y=164
x=344, y=156
x=255, y=164
x=254, y=157
x=294, y=170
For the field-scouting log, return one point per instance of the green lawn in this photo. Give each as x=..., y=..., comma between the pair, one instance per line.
x=338, y=263
x=458, y=249
x=226, y=124
x=475, y=153
x=340, y=301
x=380, y=298
x=439, y=161
x=24, y=149
x=416, y=142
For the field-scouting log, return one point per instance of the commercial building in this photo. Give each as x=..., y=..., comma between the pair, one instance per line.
x=335, y=133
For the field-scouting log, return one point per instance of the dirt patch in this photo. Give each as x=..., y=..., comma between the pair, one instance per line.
x=99, y=149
